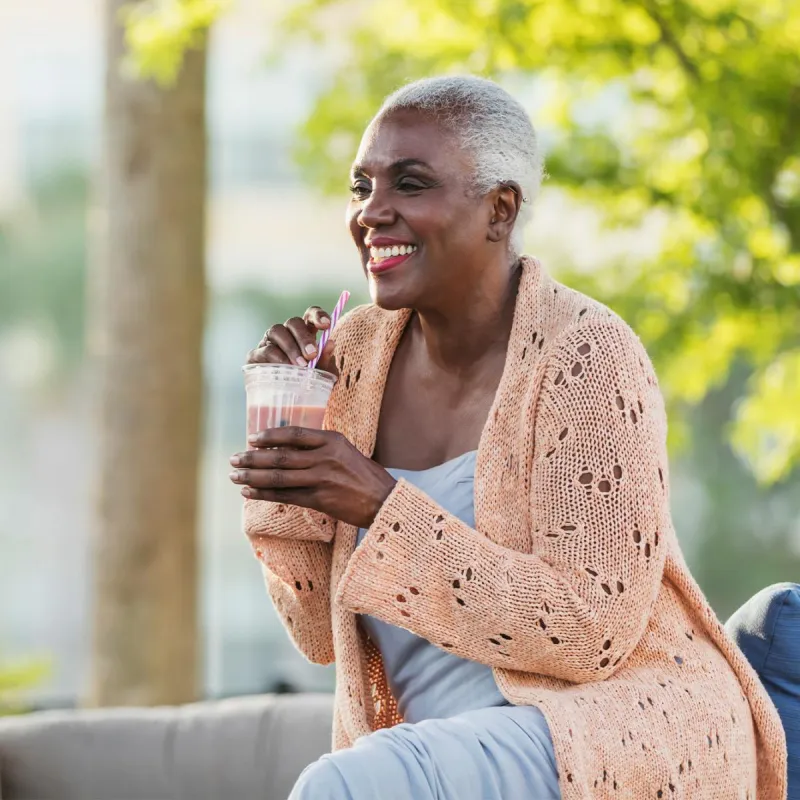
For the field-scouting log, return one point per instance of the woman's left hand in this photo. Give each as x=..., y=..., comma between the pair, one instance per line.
x=314, y=469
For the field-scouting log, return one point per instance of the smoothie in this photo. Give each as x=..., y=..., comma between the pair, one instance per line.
x=280, y=394
x=260, y=418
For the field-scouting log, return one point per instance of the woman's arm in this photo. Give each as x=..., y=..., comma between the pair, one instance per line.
x=577, y=605
x=293, y=546
x=298, y=577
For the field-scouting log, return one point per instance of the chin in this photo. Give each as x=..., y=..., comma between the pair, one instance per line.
x=402, y=286
x=389, y=299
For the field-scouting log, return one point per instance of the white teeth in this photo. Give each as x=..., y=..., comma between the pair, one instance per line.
x=379, y=253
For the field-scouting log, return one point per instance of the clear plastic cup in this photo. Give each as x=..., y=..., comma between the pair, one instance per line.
x=283, y=394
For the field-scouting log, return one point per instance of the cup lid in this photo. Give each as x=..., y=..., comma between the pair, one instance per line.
x=288, y=374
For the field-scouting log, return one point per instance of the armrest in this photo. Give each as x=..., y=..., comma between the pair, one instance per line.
x=236, y=749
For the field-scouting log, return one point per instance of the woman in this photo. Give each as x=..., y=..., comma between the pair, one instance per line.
x=481, y=537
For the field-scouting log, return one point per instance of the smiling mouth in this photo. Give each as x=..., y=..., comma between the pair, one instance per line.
x=380, y=254
x=383, y=259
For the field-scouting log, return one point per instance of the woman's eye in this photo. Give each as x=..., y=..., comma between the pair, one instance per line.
x=360, y=189
x=410, y=186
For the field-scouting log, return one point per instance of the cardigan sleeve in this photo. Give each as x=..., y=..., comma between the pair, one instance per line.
x=577, y=604
x=295, y=551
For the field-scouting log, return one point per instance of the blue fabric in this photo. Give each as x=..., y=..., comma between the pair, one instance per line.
x=492, y=754
x=767, y=629
x=427, y=682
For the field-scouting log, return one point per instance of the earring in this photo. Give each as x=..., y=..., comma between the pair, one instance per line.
x=494, y=219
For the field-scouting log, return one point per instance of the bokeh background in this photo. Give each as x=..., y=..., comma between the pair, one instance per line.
x=672, y=136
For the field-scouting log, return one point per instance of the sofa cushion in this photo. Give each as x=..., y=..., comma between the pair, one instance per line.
x=238, y=749
x=767, y=629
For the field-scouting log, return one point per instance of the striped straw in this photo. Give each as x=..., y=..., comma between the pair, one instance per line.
x=337, y=312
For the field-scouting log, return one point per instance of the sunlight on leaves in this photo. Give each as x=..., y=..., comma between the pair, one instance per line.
x=17, y=678
x=694, y=125
x=767, y=426
x=160, y=32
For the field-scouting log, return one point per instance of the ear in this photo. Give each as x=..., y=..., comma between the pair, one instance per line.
x=505, y=202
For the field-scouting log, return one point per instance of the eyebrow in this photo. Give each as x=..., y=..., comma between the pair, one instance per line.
x=397, y=166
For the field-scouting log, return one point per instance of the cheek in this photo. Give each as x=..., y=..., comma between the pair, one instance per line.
x=423, y=221
x=436, y=221
x=351, y=220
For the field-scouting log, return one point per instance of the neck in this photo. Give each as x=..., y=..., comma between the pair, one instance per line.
x=475, y=321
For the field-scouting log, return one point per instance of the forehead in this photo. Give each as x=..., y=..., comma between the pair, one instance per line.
x=409, y=135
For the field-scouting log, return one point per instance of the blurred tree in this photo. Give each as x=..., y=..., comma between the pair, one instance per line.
x=146, y=331
x=742, y=536
x=704, y=132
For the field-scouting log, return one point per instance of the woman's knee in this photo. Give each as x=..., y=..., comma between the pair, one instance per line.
x=383, y=764
x=346, y=774
x=320, y=781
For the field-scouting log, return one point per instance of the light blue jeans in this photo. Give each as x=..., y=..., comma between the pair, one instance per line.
x=500, y=753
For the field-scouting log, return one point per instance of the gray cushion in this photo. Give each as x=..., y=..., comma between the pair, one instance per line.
x=767, y=629
x=241, y=749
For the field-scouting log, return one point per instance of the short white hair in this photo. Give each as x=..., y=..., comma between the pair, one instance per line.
x=490, y=125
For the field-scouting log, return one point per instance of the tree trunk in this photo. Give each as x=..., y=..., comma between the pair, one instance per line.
x=148, y=298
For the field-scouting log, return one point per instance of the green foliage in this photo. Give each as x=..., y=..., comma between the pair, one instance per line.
x=16, y=679
x=159, y=32
x=698, y=123
x=767, y=425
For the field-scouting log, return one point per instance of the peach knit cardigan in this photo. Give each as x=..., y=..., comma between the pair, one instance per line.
x=572, y=585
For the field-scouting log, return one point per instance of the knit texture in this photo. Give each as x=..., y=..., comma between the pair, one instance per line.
x=572, y=585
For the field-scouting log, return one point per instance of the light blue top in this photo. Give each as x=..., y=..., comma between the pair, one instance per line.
x=428, y=682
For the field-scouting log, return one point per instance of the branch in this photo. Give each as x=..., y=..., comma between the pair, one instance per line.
x=789, y=216
x=668, y=39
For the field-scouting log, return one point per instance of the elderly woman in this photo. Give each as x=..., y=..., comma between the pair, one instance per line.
x=480, y=538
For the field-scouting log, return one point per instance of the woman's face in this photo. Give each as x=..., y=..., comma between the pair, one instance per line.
x=419, y=229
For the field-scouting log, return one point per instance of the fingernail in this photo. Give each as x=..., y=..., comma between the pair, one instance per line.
x=301, y=362
x=235, y=461
x=310, y=349
x=246, y=491
x=324, y=320
x=253, y=438
x=234, y=476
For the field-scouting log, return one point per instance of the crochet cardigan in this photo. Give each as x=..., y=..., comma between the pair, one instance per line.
x=572, y=585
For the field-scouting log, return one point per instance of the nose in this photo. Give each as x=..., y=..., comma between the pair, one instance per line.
x=376, y=210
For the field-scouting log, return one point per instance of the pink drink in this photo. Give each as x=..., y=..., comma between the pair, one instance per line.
x=259, y=418
x=281, y=394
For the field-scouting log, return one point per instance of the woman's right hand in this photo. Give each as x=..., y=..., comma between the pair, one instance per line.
x=294, y=342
